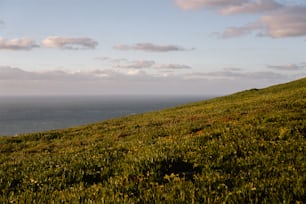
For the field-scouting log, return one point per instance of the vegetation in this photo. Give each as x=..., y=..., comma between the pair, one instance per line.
x=248, y=147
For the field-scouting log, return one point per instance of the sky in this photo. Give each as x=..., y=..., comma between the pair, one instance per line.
x=160, y=47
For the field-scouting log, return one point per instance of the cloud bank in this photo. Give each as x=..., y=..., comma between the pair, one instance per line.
x=172, y=66
x=72, y=43
x=140, y=64
x=111, y=59
x=15, y=81
x=287, y=67
x=149, y=47
x=17, y=44
x=13, y=73
x=234, y=75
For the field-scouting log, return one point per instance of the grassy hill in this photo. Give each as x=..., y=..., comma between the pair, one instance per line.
x=248, y=147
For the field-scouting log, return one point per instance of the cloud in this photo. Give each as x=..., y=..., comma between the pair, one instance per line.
x=214, y=75
x=233, y=31
x=149, y=47
x=172, y=66
x=111, y=59
x=72, y=43
x=232, y=69
x=230, y=7
x=8, y=73
x=287, y=67
x=15, y=81
x=197, y=4
x=277, y=20
x=135, y=72
x=235, y=75
x=17, y=44
x=286, y=22
x=13, y=73
x=249, y=7
x=139, y=64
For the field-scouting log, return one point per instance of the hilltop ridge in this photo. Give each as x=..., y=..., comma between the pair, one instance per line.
x=248, y=147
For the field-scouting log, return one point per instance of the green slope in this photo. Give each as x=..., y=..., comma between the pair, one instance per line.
x=248, y=147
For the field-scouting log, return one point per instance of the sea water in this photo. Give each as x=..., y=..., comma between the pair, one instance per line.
x=26, y=114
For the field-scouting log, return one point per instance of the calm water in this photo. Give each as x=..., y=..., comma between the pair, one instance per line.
x=31, y=114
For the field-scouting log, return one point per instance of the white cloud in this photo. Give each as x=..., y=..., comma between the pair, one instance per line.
x=287, y=67
x=139, y=64
x=172, y=66
x=236, y=75
x=251, y=7
x=149, y=47
x=111, y=59
x=135, y=72
x=8, y=73
x=73, y=43
x=232, y=69
x=134, y=81
x=214, y=75
x=12, y=73
x=17, y=44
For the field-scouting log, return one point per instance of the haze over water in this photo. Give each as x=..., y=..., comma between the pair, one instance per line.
x=39, y=113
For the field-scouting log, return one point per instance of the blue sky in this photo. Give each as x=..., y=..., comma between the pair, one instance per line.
x=149, y=47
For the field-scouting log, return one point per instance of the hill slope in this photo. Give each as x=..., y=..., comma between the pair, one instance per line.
x=248, y=147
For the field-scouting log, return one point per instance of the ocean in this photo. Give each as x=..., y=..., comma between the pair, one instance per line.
x=26, y=114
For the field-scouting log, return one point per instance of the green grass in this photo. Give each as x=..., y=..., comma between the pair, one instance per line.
x=248, y=147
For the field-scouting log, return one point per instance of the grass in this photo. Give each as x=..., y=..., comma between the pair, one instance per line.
x=248, y=147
